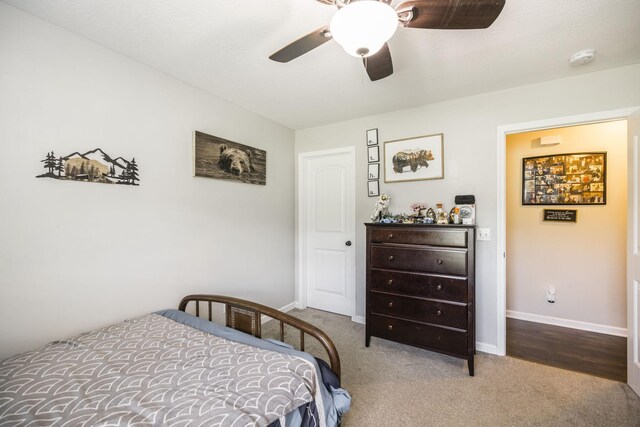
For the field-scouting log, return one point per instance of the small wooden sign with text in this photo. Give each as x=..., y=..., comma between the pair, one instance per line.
x=563, y=215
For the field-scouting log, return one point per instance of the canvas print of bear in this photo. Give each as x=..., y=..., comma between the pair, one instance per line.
x=91, y=166
x=222, y=159
x=413, y=159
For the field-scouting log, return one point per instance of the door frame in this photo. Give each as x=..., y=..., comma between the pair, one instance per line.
x=300, y=288
x=501, y=211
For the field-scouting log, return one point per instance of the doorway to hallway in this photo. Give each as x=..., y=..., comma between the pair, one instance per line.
x=566, y=281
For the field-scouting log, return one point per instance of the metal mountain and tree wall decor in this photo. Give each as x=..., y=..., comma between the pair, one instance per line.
x=92, y=166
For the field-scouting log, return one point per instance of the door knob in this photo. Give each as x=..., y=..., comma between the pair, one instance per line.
x=348, y=243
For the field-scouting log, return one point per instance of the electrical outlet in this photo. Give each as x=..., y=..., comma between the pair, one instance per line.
x=484, y=234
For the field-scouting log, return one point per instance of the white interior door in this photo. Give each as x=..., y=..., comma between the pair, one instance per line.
x=633, y=256
x=328, y=228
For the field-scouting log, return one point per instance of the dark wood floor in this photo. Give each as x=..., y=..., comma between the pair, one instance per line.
x=589, y=352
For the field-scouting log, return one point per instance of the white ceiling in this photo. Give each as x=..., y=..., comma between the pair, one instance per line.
x=222, y=47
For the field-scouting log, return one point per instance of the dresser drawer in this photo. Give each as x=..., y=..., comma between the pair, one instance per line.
x=416, y=236
x=422, y=310
x=422, y=285
x=419, y=334
x=438, y=261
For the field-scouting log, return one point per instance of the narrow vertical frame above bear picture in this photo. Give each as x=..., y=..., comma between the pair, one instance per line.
x=215, y=157
x=414, y=159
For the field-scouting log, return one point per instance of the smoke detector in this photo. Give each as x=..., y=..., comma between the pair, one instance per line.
x=583, y=57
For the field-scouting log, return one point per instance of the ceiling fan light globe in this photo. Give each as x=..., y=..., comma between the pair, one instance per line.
x=363, y=27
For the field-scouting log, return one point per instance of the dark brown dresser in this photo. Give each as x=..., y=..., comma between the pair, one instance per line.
x=421, y=286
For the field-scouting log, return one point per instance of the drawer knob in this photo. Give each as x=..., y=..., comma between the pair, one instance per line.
x=390, y=282
x=439, y=287
x=390, y=236
x=439, y=313
x=390, y=327
x=390, y=305
x=439, y=261
x=390, y=257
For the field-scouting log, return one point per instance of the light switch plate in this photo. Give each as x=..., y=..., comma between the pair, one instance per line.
x=484, y=234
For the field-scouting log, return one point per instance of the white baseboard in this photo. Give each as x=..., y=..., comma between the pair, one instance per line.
x=358, y=319
x=300, y=306
x=285, y=309
x=288, y=307
x=574, y=324
x=486, y=348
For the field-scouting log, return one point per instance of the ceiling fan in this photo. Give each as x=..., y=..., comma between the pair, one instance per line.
x=363, y=27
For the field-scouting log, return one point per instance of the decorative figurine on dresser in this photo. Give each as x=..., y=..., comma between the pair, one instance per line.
x=421, y=286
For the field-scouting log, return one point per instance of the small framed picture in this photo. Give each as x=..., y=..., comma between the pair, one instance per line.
x=374, y=171
x=373, y=154
x=373, y=188
x=372, y=137
x=567, y=215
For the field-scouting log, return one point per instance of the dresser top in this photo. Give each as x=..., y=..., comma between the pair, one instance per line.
x=381, y=224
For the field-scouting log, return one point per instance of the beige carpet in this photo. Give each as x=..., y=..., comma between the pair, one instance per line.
x=397, y=385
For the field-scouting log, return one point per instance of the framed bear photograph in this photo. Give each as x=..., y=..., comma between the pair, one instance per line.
x=215, y=157
x=414, y=159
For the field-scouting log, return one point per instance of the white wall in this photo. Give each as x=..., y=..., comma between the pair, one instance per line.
x=585, y=261
x=75, y=256
x=470, y=127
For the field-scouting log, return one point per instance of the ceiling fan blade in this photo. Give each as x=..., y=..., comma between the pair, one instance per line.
x=451, y=14
x=302, y=45
x=379, y=65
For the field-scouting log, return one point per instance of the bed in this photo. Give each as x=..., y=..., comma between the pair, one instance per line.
x=178, y=369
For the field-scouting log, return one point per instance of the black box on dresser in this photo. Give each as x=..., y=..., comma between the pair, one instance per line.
x=421, y=286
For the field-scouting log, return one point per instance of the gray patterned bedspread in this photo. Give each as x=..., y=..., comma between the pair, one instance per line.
x=153, y=371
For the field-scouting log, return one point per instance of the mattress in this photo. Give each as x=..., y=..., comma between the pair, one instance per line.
x=166, y=368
